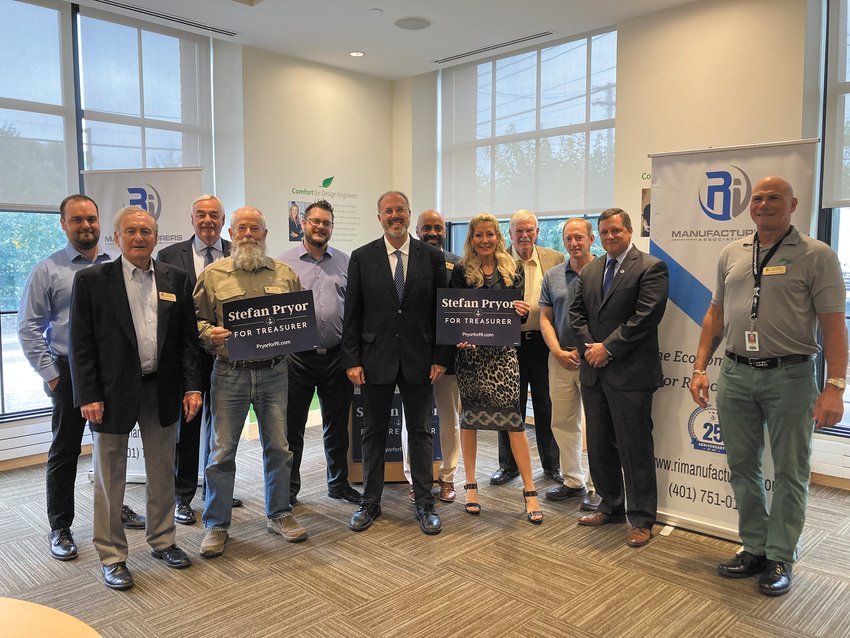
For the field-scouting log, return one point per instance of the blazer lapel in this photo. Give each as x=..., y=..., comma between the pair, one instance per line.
x=187, y=256
x=382, y=261
x=414, y=260
x=121, y=305
x=164, y=307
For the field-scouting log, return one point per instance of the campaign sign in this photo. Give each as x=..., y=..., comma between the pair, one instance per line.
x=482, y=316
x=271, y=325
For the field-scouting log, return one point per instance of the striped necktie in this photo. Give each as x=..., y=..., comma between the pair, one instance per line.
x=610, y=269
x=399, y=275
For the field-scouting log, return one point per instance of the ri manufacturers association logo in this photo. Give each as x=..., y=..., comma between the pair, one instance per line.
x=704, y=430
x=147, y=198
x=725, y=194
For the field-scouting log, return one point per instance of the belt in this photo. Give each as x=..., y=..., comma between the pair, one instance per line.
x=528, y=335
x=770, y=362
x=259, y=364
x=150, y=376
x=324, y=351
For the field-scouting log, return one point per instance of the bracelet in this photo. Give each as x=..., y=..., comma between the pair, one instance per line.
x=699, y=372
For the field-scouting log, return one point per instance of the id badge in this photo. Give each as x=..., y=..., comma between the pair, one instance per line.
x=752, y=340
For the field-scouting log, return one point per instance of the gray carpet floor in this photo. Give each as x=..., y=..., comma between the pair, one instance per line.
x=491, y=575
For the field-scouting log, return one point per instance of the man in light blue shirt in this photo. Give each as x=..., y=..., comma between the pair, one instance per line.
x=43, y=332
x=324, y=270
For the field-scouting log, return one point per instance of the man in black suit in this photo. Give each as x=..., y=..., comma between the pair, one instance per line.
x=387, y=340
x=193, y=255
x=134, y=357
x=616, y=311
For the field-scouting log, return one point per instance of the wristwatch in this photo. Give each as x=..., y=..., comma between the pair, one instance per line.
x=838, y=383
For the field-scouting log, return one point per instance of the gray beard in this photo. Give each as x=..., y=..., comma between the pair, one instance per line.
x=248, y=255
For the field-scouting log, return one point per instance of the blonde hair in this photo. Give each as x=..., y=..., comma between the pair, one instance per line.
x=472, y=265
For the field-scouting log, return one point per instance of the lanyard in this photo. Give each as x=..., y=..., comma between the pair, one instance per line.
x=757, y=270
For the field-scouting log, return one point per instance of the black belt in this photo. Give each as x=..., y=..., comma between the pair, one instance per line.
x=531, y=334
x=150, y=376
x=770, y=362
x=259, y=364
x=324, y=351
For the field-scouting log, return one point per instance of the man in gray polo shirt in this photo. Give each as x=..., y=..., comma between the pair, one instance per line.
x=556, y=296
x=774, y=290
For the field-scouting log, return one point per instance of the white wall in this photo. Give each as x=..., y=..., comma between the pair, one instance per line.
x=304, y=122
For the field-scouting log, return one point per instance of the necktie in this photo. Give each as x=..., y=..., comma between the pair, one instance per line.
x=610, y=269
x=399, y=275
x=208, y=256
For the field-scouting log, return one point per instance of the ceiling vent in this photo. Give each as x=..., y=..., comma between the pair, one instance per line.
x=494, y=47
x=168, y=17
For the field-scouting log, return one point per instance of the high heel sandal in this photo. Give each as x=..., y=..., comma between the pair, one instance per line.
x=535, y=517
x=471, y=507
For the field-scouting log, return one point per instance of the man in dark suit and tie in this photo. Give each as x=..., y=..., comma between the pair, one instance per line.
x=619, y=303
x=388, y=340
x=193, y=255
x=134, y=357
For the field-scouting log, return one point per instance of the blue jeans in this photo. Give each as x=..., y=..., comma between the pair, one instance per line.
x=233, y=391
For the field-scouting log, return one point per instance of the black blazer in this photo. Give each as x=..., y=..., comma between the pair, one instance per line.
x=378, y=332
x=104, y=355
x=625, y=321
x=182, y=255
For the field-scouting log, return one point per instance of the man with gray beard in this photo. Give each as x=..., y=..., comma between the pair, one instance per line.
x=238, y=384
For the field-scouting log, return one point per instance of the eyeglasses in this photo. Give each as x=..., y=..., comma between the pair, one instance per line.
x=319, y=222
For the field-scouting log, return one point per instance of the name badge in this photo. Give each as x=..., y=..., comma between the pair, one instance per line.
x=273, y=290
x=773, y=270
x=168, y=296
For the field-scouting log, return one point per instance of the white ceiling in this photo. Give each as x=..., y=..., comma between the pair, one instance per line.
x=325, y=31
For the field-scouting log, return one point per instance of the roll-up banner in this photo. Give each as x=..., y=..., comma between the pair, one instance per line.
x=700, y=203
x=167, y=194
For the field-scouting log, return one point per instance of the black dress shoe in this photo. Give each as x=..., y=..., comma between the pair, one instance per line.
x=591, y=502
x=363, y=518
x=237, y=502
x=428, y=519
x=62, y=545
x=502, y=476
x=184, y=514
x=131, y=520
x=562, y=493
x=173, y=557
x=553, y=476
x=742, y=565
x=346, y=493
x=776, y=579
x=117, y=576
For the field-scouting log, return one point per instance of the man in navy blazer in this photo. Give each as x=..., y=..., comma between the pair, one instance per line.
x=619, y=303
x=134, y=357
x=387, y=340
x=193, y=255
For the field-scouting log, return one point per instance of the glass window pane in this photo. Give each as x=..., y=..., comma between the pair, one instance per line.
x=164, y=149
x=161, y=73
x=484, y=111
x=32, y=158
x=562, y=166
x=603, y=77
x=108, y=145
x=483, y=179
x=600, y=169
x=516, y=94
x=514, y=177
x=30, y=62
x=563, y=84
x=27, y=239
x=110, y=67
x=22, y=388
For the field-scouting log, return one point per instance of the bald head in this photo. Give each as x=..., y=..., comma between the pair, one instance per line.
x=431, y=228
x=771, y=207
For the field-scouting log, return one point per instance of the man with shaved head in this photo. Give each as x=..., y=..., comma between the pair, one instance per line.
x=774, y=291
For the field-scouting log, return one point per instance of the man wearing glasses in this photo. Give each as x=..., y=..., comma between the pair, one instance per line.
x=324, y=270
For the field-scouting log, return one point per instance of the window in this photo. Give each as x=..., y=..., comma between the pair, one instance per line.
x=533, y=130
x=146, y=99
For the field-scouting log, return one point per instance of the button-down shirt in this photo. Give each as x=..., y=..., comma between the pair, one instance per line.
x=405, y=254
x=328, y=279
x=43, y=325
x=199, y=253
x=533, y=281
x=142, y=297
x=558, y=291
x=223, y=282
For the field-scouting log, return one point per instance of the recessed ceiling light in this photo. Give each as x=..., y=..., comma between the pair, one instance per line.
x=376, y=12
x=357, y=54
x=413, y=23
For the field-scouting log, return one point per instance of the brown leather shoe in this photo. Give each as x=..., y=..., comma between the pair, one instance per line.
x=638, y=536
x=447, y=492
x=595, y=519
x=411, y=496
